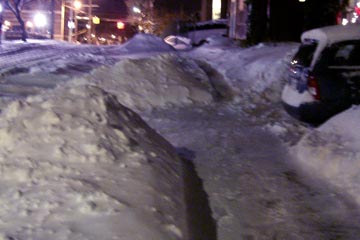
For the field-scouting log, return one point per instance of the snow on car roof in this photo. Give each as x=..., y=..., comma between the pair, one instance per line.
x=329, y=35
x=332, y=34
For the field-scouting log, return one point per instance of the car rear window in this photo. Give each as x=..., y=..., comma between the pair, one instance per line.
x=346, y=54
x=305, y=53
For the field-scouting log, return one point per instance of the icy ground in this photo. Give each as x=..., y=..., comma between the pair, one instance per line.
x=75, y=157
x=254, y=189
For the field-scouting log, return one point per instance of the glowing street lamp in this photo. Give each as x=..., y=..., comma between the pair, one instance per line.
x=71, y=25
x=7, y=23
x=77, y=5
x=1, y=19
x=136, y=10
x=29, y=24
x=40, y=20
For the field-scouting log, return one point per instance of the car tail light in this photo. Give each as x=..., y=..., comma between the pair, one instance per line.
x=313, y=87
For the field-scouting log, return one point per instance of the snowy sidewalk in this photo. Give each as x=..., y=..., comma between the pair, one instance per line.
x=254, y=191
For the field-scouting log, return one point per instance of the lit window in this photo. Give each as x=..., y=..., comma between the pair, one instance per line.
x=216, y=9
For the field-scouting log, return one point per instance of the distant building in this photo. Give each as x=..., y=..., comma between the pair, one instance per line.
x=214, y=9
x=236, y=11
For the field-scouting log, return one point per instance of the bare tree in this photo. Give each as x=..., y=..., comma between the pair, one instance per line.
x=15, y=6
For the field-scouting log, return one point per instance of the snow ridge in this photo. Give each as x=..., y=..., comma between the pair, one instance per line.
x=73, y=158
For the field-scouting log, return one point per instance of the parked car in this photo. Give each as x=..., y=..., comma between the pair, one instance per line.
x=324, y=75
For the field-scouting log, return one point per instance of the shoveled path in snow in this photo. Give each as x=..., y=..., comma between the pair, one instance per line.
x=254, y=191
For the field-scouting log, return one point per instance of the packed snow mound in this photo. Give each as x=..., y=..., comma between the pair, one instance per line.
x=160, y=81
x=332, y=152
x=254, y=69
x=219, y=41
x=146, y=43
x=76, y=164
x=49, y=57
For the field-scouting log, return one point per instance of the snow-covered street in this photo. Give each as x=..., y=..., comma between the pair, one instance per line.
x=77, y=162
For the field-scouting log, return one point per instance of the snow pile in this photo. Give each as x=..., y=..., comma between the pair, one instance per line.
x=29, y=68
x=219, y=41
x=75, y=164
x=145, y=43
x=292, y=97
x=158, y=81
x=249, y=69
x=332, y=152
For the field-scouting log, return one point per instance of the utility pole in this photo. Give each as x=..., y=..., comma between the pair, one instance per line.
x=90, y=22
x=206, y=7
x=1, y=22
x=71, y=20
x=52, y=24
x=62, y=20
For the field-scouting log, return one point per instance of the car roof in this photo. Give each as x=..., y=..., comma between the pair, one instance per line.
x=331, y=34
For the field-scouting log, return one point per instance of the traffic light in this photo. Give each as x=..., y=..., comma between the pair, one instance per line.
x=96, y=20
x=357, y=8
x=120, y=25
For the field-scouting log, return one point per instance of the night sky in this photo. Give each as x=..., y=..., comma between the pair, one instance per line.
x=117, y=8
x=111, y=9
x=286, y=25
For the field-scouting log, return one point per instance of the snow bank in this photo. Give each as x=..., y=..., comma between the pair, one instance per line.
x=249, y=69
x=75, y=164
x=159, y=81
x=292, y=97
x=219, y=41
x=144, y=43
x=332, y=152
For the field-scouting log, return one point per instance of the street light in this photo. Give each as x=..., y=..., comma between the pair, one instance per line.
x=71, y=25
x=1, y=20
x=77, y=5
x=40, y=20
x=29, y=24
x=136, y=10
